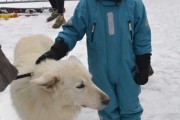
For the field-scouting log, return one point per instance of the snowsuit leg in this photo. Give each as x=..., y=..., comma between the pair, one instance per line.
x=111, y=111
x=128, y=92
x=123, y=91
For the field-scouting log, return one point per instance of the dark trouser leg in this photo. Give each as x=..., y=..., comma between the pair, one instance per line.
x=60, y=18
x=60, y=6
x=53, y=3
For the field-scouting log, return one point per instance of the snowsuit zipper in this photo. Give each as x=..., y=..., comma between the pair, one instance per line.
x=130, y=29
x=92, y=32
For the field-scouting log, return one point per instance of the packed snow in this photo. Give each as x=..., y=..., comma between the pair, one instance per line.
x=160, y=98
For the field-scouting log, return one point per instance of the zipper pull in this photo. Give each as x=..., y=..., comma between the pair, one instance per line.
x=93, y=27
x=130, y=28
x=92, y=32
x=130, y=25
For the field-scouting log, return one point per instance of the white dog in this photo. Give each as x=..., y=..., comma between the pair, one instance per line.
x=57, y=89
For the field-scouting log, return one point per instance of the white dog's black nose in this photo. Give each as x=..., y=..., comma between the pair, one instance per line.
x=105, y=100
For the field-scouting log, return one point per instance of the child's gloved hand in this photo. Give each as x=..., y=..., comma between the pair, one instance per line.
x=144, y=68
x=57, y=51
x=142, y=77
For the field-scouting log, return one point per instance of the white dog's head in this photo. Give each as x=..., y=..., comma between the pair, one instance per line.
x=69, y=82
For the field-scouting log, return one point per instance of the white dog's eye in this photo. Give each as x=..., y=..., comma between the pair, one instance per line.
x=80, y=86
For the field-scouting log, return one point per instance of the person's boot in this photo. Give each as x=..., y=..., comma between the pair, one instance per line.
x=59, y=21
x=53, y=15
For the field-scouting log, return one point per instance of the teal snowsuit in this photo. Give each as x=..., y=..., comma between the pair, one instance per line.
x=115, y=34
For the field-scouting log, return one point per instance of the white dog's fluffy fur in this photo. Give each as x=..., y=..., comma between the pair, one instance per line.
x=57, y=89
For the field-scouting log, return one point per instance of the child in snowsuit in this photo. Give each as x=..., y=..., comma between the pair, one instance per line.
x=118, y=48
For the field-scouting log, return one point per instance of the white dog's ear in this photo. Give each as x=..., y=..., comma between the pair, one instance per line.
x=46, y=81
x=74, y=58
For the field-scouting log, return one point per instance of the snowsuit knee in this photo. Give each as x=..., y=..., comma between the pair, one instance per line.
x=115, y=34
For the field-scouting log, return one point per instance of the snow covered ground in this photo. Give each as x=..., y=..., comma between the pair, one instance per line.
x=160, y=97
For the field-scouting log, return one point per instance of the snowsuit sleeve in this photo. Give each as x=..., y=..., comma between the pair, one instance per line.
x=142, y=32
x=75, y=28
